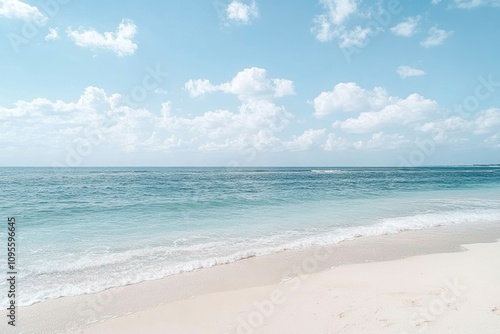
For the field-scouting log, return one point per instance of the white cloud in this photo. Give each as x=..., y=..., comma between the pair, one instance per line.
x=335, y=143
x=283, y=87
x=244, y=143
x=249, y=84
x=15, y=9
x=436, y=37
x=407, y=71
x=375, y=107
x=257, y=121
x=56, y=124
x=355, y=37
x=454, y=123
x=349, y=97
x=483, y=123
x=254, y=125
x=242, y=13
x=440, y=129
x=261, y=114
x=257, y=124
x=332, y=24
x=391, y=111
x=119, y=42
x=199, y=87
x=323, y=28
x=381, y=141
x=469, y=4
x=435, y=2
x=487, y=120
x=338, y=11
x=406, y=28
x=253, y=82
x=52, y=35
x=306, y=140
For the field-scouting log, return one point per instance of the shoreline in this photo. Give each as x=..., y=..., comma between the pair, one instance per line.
x=156, y=272
x=68, y=314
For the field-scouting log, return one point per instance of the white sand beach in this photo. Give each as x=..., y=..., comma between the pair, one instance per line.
x=412, y=282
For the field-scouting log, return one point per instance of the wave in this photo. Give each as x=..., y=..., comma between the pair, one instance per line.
x=92, y=267
x=329, y=171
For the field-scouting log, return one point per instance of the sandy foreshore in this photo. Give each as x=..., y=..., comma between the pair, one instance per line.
x=437, y=280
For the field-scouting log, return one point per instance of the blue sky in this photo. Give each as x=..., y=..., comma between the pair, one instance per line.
x=242, y=82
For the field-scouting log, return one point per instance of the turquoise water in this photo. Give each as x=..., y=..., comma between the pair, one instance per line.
x=83, y=230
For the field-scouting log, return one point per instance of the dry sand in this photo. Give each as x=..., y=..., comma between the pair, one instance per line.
x=438, y=293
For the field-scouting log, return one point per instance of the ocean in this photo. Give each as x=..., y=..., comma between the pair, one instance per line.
x=83, y=230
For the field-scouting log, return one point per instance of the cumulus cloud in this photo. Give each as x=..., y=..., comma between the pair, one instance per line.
x=382, y=141
x=338, y=11
x=15, y=9
x=454, y=123
x=376, y=108
x=396, y=111
x=407, y=28
x=199, y=87
x=349, y=97
x=482, y=123
x=256, y=123
x=336, y=143
x=377, y=141
x=407, y=71
x=380, y=121
x=487, y=120
x=56, y=124
x=253, y=83
x=306, y=140
x=52, y=35
x=436, y=37
x=258, y=118
x=248, y=84
x=355, y=37
x=333, y=24
x=120, y=42
x=241, y=13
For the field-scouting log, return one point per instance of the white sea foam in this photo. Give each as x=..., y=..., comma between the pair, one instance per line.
x=329, y=171
x=91, y=273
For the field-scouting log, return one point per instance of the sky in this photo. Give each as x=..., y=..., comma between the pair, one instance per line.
x=249, y=83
